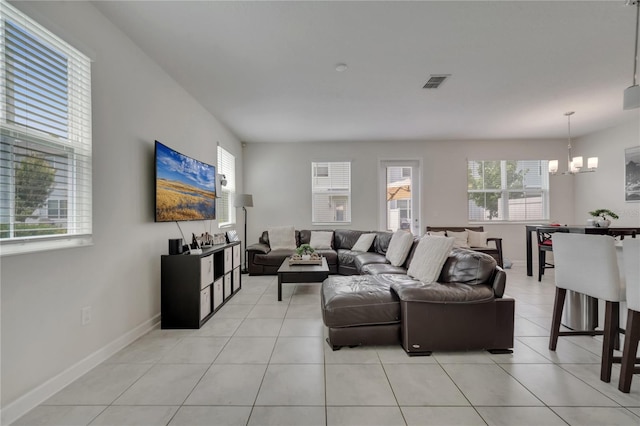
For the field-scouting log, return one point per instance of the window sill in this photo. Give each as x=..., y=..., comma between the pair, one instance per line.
x=11, y=248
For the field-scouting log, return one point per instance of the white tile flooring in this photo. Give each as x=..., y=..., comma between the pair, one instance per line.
x=263, y=362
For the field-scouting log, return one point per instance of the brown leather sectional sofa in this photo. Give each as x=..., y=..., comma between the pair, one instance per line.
x=372, y=302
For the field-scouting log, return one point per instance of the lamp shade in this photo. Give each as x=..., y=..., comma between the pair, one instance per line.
x=243, y=200
x=632, y=97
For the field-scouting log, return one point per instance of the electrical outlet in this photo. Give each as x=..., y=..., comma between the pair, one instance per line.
x=85, y=315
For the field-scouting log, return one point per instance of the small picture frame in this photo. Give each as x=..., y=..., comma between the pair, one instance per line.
x=232, y=236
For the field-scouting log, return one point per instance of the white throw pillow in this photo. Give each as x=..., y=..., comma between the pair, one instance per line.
x=438, y=233
x=399, y=247
x=477, y=239
x=364, y=242
x=429, y=258
x=461, y=238
x=282, y=237
x=321, y=239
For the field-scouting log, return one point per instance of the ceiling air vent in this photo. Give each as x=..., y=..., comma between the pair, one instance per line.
x=435, y=81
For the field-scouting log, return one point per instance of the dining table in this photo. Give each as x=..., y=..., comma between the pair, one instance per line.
x=581, y=229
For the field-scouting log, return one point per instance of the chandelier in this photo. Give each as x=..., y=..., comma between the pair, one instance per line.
x=574, y=164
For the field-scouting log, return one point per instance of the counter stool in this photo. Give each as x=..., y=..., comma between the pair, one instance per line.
x=631, y=254
x=587, y=264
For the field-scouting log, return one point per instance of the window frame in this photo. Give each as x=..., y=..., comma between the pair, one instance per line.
x=227, y=166
x=58, y=127
x=330, y=190
x=505, y=191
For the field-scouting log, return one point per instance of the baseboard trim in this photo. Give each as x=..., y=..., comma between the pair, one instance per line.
x=16, y=409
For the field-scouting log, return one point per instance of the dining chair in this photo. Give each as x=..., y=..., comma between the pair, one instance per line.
x=587, y=264
x=545, y=244
x=630, y=258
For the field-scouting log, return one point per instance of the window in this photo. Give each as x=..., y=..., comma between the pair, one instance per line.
x=331, y=192
x=508, y=190
x=45, y=138
x=400, y=183
x=226, y=167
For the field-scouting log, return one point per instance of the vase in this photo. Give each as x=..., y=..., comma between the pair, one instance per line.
x=603, y=223
x=591, y=222
x=306, y=257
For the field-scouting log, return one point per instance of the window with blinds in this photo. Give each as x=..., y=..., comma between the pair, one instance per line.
x=331, y=192
x=45, y=138
x=508, y=190
x=226, y=167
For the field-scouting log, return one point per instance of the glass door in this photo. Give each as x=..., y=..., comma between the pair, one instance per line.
x=399, y=186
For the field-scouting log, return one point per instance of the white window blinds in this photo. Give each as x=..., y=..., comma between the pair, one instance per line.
x=226, y=167
x=331, y=192
x=45, y=138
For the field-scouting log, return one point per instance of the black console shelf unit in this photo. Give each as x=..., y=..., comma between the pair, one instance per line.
x=195, y=286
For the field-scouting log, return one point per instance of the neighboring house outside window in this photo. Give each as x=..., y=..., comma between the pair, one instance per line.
x=508, y=190
x=45, y=138
x=331, y=192
x=226, y=167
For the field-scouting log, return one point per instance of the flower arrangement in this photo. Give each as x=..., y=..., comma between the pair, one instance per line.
x=305, y=249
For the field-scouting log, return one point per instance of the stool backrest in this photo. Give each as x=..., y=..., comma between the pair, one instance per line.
x=587, y=264
x=631, y=260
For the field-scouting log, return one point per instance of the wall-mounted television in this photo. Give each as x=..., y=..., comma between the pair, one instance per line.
x=185, y=187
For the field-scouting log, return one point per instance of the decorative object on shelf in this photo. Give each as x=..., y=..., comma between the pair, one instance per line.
x=574, y=164
x=632, y=93
x=232, y=236
x=205, y=239
x=601, y=215
x=632, y=174
x=244, y=201
x=220, y=238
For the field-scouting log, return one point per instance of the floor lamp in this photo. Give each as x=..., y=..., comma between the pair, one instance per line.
x=244, y=201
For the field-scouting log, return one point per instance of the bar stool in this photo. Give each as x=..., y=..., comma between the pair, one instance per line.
x=587, y=264
x=631, y=259
x=545, y=244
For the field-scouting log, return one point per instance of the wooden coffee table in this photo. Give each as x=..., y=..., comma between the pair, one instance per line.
x=301, y=274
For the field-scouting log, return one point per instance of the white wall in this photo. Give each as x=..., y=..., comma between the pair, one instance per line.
x=134, y=102
x=279, y=177
x=605, y=188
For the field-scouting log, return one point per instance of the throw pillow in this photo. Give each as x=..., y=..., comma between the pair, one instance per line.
x=429, y=258
x=282, y=237
x=399, y=247
x=438, y=233
x=477, y=239
x=321, y=240
x=364, y=242
x=461, y=238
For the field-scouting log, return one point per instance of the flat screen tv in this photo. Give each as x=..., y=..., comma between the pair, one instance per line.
x=185, y=187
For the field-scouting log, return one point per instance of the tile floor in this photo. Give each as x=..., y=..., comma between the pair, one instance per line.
x=263, y=362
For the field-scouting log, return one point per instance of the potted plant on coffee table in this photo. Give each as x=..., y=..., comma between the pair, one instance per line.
x=601, y=217
x=305, y=251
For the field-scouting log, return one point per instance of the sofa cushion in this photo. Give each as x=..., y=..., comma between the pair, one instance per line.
x=321, y=239
x=381, y=243
x=477, y=239
x=367, y=258
x=399, y=247
x=345, y=238
x=437, y=233
x=273, y=258
x=429, y=257
x=282, y=237
x=347, y=257
x=359, y=300
x=449, y=293
x=330, y=255
x=461, y=238
x=468, y=267
x=364, y=242
x=382, y=268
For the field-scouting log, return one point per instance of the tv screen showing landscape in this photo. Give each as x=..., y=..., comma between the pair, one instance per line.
x=185, y=187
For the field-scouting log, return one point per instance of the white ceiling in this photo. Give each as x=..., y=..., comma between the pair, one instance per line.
x=267, y=69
